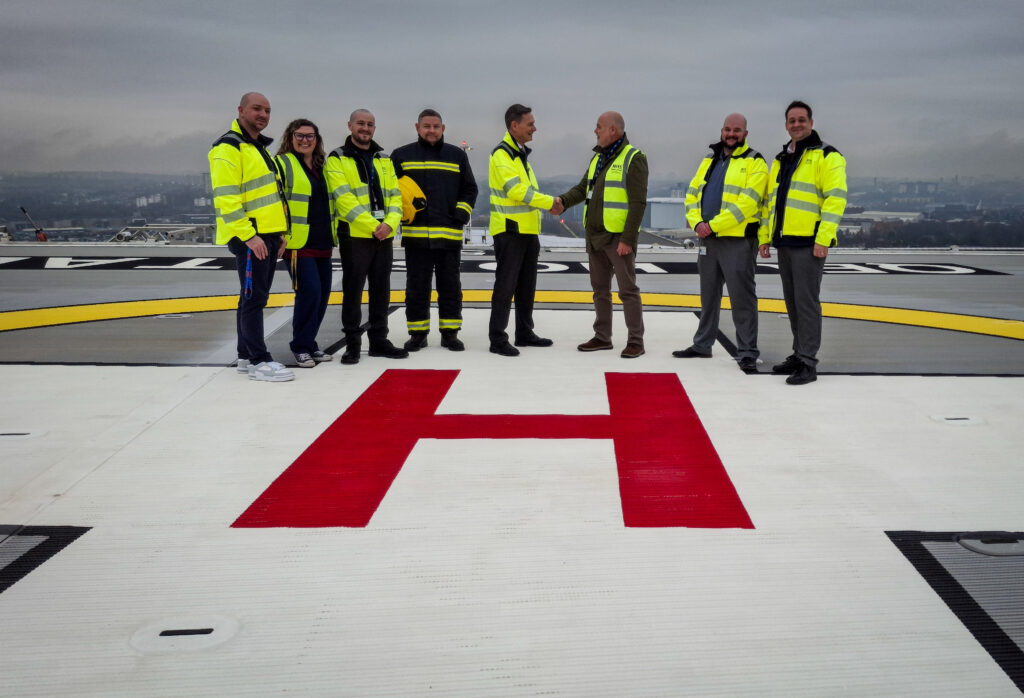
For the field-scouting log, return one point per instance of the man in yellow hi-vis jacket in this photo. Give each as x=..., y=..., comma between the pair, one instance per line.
x=806, y=200
x=252, y=220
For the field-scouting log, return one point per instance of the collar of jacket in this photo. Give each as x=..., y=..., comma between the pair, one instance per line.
x=426, y=144
x=624, y=142
x=351, y=150
x=259, y=140
x=811, y=142
x=523, y=153
x=717, y=148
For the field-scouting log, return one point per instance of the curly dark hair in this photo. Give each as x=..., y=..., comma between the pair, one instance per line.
x=286, y=142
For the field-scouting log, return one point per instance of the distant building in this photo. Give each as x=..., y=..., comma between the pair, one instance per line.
x=665, y=213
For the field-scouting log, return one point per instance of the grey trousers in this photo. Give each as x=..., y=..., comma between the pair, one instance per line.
x=731, y=261
x=801, y=275
x=604, y=263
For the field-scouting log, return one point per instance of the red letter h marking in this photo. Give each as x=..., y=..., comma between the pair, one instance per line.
x=669, y=473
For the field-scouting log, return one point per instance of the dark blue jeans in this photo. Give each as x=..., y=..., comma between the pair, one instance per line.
x=249, y=316
x=312, y=292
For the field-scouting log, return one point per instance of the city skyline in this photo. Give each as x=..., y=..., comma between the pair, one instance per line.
x=915, y=90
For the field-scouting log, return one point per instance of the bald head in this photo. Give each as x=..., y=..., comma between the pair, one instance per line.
x=253, y=113
x=362, y=127
x=249, y=96
x=610, y=128
x=734, y=132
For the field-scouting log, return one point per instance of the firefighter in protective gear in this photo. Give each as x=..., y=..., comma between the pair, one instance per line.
x=723, y=206
x=516, y=208
x=252, y=220
x=367, y=212
x=433, y=237
x=805, y=203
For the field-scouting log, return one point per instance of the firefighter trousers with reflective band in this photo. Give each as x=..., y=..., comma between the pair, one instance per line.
x=365, y=260
x=421, y=266
x=249, y=316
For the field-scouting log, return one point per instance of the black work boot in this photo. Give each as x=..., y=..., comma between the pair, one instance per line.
x=416, y=341
x=450, y=340
x=351, y=355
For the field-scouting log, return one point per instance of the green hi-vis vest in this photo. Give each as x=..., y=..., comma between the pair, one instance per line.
x=616, y=203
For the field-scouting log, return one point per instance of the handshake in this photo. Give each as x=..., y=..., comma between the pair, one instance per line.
x=558, y=207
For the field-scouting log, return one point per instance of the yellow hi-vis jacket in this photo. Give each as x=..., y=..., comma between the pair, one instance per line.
x=816, y=199
x=246, y=187
x=351, y=194
x=742, y=194
x=516, y=205
x=297, y=191
x=615, y=205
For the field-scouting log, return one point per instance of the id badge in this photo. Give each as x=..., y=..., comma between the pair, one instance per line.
x=378, y=214
x=702, y=252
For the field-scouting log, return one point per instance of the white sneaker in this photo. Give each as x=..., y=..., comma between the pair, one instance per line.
x=304, y=360
x=321, y=356
x=242, y=366
x=270, y=371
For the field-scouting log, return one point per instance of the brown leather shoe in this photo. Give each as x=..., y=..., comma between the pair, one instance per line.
x=632, y=351
x=594, y=344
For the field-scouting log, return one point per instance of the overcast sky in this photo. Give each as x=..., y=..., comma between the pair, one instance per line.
x=922, y=89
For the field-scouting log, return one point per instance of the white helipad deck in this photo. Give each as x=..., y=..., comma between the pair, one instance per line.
x=497, y=567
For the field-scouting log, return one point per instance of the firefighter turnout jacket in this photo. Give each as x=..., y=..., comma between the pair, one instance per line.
x=247, y=190
x=742, y=194
x=444, y=176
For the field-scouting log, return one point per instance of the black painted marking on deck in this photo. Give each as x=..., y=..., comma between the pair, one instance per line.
x=186, y=631
x=978, y=622
x=57, y=538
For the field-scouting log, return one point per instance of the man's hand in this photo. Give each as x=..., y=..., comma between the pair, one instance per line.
x=623, y=249
x=382, y=231
x=702, y=230
x=765, y=251
x=258, y=247
x=820, y=251
x=558, y=207
x=281, y=248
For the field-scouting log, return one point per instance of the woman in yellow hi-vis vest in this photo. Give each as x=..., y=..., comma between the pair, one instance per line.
x=300, y=158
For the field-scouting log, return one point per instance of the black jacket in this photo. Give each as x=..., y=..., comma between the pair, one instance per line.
x=442, y=171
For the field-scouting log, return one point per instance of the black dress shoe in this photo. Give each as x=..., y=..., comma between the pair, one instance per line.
x=416, y=341
x=748, y=364
x=387, y=350
x=790, y=365
x=690, y=353
x=505, y=349
x=450, y=340
x=805, y=374
x=533, y=341
x=351, y=356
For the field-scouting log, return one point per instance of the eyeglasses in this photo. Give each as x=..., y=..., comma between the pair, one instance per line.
x=311, y=137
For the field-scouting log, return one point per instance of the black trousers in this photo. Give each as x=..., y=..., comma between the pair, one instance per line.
x=249, y=316
x=362, y=260
x=515, y=277
x=421, y=266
